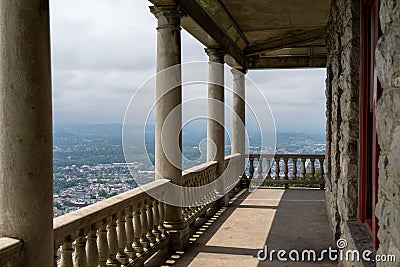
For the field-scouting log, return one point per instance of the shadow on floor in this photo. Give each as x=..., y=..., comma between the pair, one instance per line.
x=273, y=217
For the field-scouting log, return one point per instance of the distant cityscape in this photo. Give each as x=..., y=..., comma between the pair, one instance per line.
x=89, y=164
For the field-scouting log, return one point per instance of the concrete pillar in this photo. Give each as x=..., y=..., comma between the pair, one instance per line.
x=168, y=141
x=238, y=119
x=216, y=111
x=26, y=166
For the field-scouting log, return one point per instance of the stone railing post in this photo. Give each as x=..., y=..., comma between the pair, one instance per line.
x=321, y=173
x=102, y=244
x=260, y=167
x=122, y=238
x=312, y=169
x=137, y=225
x=286, y=171
x=92, y=253
x=66, y=252
x=303, y=168
x=277, y=168
x=80, y=259
x=129, y=234
x=294, y=171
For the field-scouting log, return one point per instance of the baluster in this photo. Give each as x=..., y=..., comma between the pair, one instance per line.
x=260, y=167
x=187, y=198
x=137, y=225
x=193, y=186
x=102, y=243
x=55, y=257
x=268, y=176
x=286, y=171
x=129, y=234
x=112, y=242
x=198, y=193
x=312, y=169
x=143, y=218
x=210, y=192
x=277, y=168
x=203, y=191
x=321, y=173
x=92, y=253
x=150, y=236
x=122, y=239
x=251, y=168
x=156, y=221
x=303, y=168
x=80, y=253
x=193, y=201
x=161, y=209
x=66, y=252
x=294, y=171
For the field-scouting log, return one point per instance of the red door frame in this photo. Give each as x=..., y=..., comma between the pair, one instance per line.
x=370, y=92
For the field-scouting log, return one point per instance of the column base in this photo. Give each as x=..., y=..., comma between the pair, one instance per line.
x=179, y=235
x=224, y=201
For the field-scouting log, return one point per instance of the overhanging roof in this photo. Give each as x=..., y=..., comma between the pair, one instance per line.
x=260, y=33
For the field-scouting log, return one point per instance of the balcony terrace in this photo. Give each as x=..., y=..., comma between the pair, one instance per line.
x=220, y=225
x=128, y=229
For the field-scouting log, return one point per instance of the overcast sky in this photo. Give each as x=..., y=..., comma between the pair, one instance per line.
x=103, y=50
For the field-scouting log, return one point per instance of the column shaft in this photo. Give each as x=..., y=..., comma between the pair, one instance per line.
x=216, y=109
x=168, y=141
x=26, y=166
x=238, y=118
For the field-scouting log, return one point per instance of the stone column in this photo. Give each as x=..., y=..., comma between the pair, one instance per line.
x=26, y=165
x=168, y=141
x=238, y=118
x=216, y=111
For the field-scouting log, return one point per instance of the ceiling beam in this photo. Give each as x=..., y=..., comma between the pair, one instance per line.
x=287, y=62
x=287, y=41
x=208, y=24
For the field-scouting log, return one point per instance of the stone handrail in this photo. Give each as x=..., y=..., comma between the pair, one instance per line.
x=201, y=177
x=10, y=250
x=284, y=168
x=127, y=228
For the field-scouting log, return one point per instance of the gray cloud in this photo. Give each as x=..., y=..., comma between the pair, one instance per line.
x=102, y=51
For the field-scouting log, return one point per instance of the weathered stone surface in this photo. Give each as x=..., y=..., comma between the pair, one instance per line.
x=388, y=57
x=343, y=119
x=389, y=14
x=343, y=108
x=388, y=131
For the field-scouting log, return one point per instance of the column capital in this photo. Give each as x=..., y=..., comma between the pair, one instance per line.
x=167, y=16
x=215, y=54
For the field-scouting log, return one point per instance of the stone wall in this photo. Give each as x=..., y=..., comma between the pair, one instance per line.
x=342, y=92
x=388, y=130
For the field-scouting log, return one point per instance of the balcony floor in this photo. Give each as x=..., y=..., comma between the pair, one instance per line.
x=282, y=219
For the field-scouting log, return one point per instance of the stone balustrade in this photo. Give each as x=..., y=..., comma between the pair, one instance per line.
x=10, y=251
x=125, y=230
x=203, y=179
x=287, y=169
